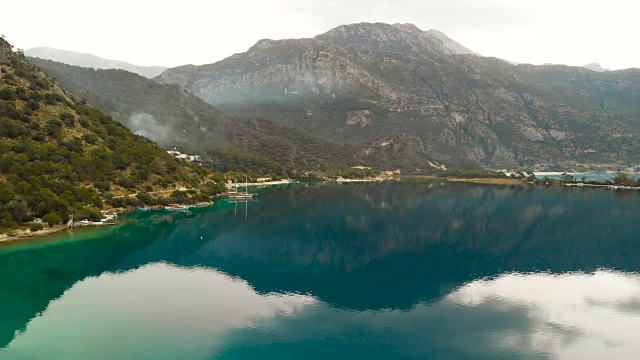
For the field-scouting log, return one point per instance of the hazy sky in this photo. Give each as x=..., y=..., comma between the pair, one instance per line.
x=188, y=31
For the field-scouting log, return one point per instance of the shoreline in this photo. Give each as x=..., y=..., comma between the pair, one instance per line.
x=21, y=234
x=485, y=181
x=24, y=234
x=266, y=183
x=489, y=181
x=356, y=180
x=547, y=173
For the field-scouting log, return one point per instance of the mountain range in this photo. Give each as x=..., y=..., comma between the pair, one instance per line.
x=91, y=61
x=392, y=95
x=401, y=89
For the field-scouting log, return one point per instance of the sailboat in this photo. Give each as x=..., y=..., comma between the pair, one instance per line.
x=235, y=195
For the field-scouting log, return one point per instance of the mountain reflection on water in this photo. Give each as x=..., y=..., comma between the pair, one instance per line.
x=389, y=270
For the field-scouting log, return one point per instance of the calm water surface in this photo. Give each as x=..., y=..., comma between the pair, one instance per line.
x=367, y=271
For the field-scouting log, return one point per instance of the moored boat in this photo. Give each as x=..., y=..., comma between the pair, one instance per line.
x=235, y=195
x=176, y=207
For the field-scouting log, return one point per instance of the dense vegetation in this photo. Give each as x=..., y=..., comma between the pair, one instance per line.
x=59, y=156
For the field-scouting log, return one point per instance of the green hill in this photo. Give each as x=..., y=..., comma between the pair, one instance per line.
x=59, y=156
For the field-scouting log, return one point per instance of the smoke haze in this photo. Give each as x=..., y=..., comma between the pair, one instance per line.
x=146, y=125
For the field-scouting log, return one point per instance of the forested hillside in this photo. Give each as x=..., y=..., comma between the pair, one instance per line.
x=59, y=156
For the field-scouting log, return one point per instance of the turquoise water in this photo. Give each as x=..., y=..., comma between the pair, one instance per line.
x=377, y=271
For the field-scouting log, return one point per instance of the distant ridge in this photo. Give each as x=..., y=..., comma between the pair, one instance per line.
x=92, y=61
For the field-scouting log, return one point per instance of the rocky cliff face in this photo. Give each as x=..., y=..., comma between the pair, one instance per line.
x=370, y=82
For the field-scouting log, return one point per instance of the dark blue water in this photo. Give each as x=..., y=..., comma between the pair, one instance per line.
x=377, y=271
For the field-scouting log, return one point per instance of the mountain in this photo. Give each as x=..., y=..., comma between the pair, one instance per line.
x=91, y=61
x=175, y=118
x=403, y=90
x=595, y=67
x=59, y=156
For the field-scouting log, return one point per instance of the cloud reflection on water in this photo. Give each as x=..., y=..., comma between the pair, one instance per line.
x=573, y=316
x=152, y=312
x=162, y=311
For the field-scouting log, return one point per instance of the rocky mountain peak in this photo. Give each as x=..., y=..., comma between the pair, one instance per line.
x=595, y=67
x=366, y=33
x=409, y=27
x=453, y=46
x=406, y=39
x=263, y=44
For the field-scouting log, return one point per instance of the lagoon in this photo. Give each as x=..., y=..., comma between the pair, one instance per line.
x=393, y=270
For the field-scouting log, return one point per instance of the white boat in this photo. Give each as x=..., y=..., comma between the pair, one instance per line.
x=235, y=195
x=102, y=222
x=176, y=207
x=240, y=196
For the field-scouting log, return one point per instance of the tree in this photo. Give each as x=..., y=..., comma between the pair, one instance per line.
x=567, y=177
x=19, y=210
x=69, y=197
x=145, y=198
x=623, y=179
x=34, y=227
x=6, y=94
x=91, y=213
x=33, y=105
x=52, y=219
x=6, y=220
